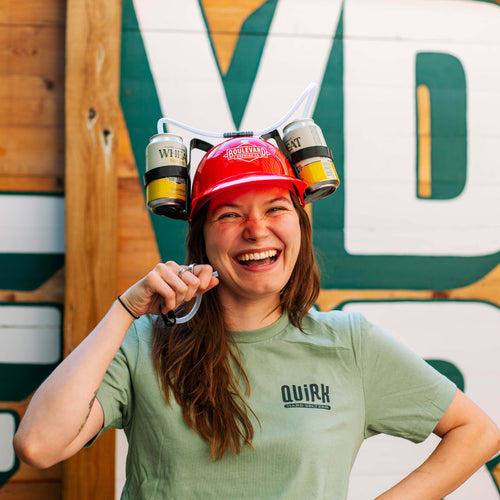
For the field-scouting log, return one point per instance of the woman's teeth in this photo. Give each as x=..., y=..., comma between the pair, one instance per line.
x=268, y=254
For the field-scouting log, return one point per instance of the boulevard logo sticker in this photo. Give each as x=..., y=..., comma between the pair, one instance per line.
x=306, y=396
x=246, y=153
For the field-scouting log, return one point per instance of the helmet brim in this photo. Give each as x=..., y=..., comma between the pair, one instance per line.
x=296, y=185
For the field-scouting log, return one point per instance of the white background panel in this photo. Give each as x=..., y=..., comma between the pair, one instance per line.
x=30, y=334
x=7, y=429
x=31, y=224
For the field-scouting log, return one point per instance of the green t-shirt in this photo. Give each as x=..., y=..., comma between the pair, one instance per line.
x=316, y=395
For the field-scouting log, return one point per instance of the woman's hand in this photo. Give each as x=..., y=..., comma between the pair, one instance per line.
x=168, y=286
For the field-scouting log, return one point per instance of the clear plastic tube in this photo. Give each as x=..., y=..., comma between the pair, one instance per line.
x=194, y=309
x=309, y=92
x=190, y=314
x=165, y=121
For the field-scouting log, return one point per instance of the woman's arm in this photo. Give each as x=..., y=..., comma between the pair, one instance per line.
x=64, y=413
x=468, y=439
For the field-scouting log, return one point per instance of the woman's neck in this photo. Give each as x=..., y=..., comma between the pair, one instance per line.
x=243, y=315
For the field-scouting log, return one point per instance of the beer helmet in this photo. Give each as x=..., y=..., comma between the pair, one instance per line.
x=301, y=160
x=242, y=161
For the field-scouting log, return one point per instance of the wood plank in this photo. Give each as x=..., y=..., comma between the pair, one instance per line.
x=125, y=162
x=92, y=108
x=17, y=406
x=33, y=12
x=46, y=184
x=31, y=76
x=32, y=152
x=486, y=289
x=27, y=473
x=31, y=100
x=137, y=248
x=32, y=64
x=46, y=490
x=27, y=100
x=90, y=474
x=32, y=50
x=51, y=291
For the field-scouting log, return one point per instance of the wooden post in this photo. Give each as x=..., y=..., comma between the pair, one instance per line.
x=92, y=111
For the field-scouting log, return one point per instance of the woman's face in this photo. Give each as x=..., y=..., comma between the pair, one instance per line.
x=252, y=238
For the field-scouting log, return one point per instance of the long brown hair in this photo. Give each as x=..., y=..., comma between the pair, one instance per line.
x=198, y=362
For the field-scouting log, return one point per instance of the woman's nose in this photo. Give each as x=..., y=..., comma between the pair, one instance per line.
x=255, y=228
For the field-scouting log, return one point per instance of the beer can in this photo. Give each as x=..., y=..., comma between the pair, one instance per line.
x=166, y=177
x=311, y=158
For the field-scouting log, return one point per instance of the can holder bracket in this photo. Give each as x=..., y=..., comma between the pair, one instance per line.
x=165, y=171
x=310, y=152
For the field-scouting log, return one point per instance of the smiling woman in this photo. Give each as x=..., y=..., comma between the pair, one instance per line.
x=258, y=395
x=252, y=237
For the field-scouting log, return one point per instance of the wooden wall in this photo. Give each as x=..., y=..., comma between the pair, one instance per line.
x=32, y=37
x=33, y=149
x=32, y=95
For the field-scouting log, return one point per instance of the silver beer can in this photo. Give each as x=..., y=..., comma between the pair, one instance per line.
x=166, y=176
x=311, y=158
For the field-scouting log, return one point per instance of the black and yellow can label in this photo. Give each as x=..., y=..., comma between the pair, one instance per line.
x=317, y=171
x=165, y=188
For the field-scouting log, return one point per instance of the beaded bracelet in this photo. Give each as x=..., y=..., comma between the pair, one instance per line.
x=126, y=308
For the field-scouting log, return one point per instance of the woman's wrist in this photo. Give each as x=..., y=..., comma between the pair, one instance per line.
x=122, y=302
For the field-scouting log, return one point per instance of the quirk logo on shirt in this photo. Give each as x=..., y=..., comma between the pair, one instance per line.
x=306, y=396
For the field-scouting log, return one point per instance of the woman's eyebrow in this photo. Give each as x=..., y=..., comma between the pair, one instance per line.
x=224, y=205
x=278, y=199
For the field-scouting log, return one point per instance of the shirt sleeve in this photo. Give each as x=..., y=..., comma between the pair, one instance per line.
x=404, y=395
x=115, y=394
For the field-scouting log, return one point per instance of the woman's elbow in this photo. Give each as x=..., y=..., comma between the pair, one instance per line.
x=32, y=452
x=493, y=438
x=485, y=438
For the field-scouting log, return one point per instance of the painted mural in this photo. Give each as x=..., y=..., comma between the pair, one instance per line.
x=409, y=100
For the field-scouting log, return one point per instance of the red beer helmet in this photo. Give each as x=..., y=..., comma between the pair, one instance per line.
x=239, y=161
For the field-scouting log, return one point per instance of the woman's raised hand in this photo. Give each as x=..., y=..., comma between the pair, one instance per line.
x=64, y=414
x=167, y=286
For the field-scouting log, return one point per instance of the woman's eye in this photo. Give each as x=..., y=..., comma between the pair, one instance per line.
x=277, y=209
x=227, y=215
